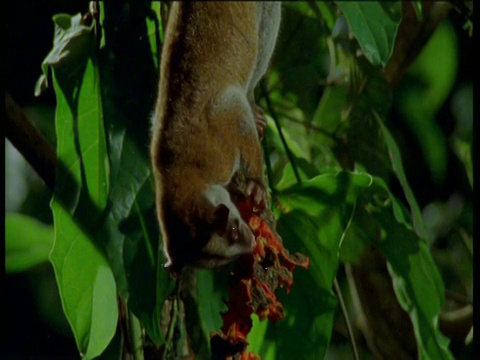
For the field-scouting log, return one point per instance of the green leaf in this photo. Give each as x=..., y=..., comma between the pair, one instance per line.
x=87, y=287
x=72, y=36
x=306, y=330
x=397, y=166
x=303, y=8
x=321, y=10
x=211, y=292
x=315, y=218
x=353, y=245
x=27, y=242
x=436, y=67
x=416, y=279
x=328, y=13
x=86, y=284
x=417, y=6
x=375, y=25
x=101, y=20
x=328, y=113
x=257, y=342
x=155, y=31
x=288, y=178
x=328, y=202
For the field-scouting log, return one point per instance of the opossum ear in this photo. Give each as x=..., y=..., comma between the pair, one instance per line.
x=220, y=221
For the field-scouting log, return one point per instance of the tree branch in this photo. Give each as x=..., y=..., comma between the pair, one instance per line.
x=30, y=142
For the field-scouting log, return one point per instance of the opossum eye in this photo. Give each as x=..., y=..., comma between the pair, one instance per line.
x=234, y=233
x=221, y=219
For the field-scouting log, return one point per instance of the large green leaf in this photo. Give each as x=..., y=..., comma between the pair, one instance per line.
x=375, y=25
x=416, y=279
x=314, y=221
x=85, y=281
x=87, y=287
x=27, y=242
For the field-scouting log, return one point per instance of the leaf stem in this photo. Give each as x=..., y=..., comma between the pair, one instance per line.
x=136, y=336
x=309, y=126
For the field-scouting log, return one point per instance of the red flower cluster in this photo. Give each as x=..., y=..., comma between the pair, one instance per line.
x=252, y=287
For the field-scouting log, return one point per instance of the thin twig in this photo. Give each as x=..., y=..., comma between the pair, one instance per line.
x=462, y=299
x=336, y=285
x=274, y=116
x=308, y=125
x=467, y=240
x=30, y=142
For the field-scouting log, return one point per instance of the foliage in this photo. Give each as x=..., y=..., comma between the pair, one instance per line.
x=345, y=191
x=28, y=242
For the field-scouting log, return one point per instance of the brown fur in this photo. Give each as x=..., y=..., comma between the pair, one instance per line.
x=204, y=128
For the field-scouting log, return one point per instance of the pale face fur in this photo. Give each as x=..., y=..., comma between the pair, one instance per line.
x=218, y=236
x=235, y=239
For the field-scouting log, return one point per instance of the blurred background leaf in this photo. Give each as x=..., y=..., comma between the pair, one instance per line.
x=28, y=242
x=425, y=89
